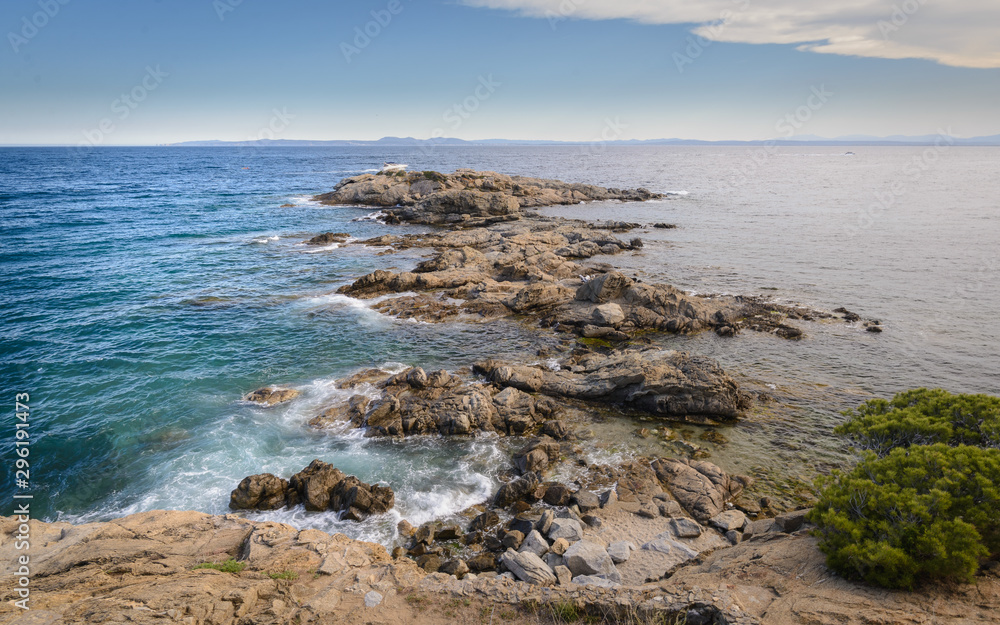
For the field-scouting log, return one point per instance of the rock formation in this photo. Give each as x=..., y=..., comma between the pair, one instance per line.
x=434, y=198
x=318, y=487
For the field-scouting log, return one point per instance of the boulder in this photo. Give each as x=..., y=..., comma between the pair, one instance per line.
x=484, y=521
x=569, y=529
x=315, y=483
x=608, y=315
x=545, y=522
x=528, y=567
x=563, y=575
x=456, y=567
x=586, y=501
x=482, y=562
x=728, y=520
x=791, y=521
x=535, y=543
x=512, y=539
x=589, y=558
x=700, y=487
x=557, y=495
x=260, y=492
x=604, y=288
x=515, y=490
x=559, y=546
x=535, y=461
x=685, y=528
x=620, y=551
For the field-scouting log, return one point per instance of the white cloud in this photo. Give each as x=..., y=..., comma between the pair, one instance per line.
x=963, y=33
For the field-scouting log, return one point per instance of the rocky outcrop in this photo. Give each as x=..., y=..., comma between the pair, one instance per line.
x=318, y=487
x=434, y=198
x=523, y=399
x=329, y=238
x=144, y=569
x=534, y=267
x=271, y=396
x=670, y=384
x=415, y=402
x=702, y=488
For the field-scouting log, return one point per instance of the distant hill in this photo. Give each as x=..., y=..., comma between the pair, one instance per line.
x=868, y=140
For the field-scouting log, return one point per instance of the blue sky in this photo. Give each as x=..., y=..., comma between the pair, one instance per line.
x=524, y=69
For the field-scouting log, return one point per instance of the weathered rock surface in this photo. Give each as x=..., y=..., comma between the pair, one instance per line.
x=140, y=569
x=700, y=487
x=589, y=558
x=320, y=486
x=567, y=529
x=528, y=567
x=666, y=383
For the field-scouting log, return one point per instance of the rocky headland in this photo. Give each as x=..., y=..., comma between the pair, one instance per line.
x=653, y=539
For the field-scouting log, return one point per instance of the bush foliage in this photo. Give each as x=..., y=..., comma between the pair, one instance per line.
x=924, y=417
x=917, y=513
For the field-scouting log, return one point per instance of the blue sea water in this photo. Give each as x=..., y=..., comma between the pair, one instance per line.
x=147, y=289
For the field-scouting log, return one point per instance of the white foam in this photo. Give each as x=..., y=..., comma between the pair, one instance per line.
x=263, y=240
x=377, y=216
x=304, y=200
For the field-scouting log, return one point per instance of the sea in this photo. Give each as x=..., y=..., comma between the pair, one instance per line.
x=146, y=290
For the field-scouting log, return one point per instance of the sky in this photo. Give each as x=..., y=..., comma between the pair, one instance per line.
x=139, y=72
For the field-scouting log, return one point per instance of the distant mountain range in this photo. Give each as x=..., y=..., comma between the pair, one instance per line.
x=868, y=140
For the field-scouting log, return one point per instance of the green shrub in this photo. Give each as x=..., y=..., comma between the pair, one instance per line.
x=229, y=566
x=924, y=417
x=917, y=513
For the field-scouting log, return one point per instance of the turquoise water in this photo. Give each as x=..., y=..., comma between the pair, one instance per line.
x=148, y=289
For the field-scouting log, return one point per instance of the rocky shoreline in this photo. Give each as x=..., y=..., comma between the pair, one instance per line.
x=652, y=538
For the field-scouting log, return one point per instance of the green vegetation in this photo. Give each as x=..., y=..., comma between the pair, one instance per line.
x=284, y=575
x=435, y=176
x=564, y=612
x=229, y=566
x=922, y=503
x=924, y=417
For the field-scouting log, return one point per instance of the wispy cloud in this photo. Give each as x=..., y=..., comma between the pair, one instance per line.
x=962, y=33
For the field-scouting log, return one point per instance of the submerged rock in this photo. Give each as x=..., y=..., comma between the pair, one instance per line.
x=329, y=238
x=271, y=396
